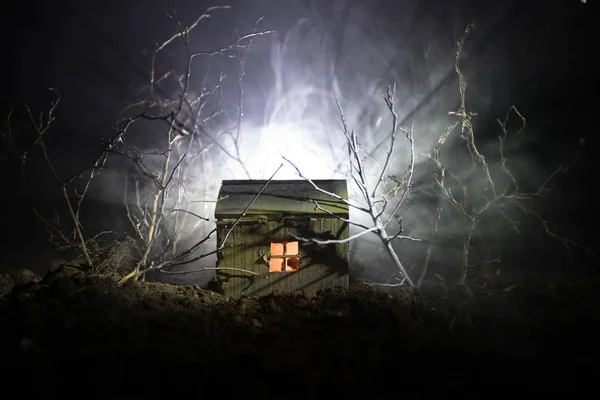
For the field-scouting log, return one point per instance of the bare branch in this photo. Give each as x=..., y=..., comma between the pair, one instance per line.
x=209, y=269
x=389, y=101
x=401, y=237
x=337, y=241
x=436, y=220
x=189, y=212
x=346, y=220
x=359, y=176
x=493, y=197
x=318, y=189
x=181, y=34
x=411, y=170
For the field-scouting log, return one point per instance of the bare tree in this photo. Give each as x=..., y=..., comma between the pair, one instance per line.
x=165, y=207
x=160, y=212
x=379, y=205
x=483, y=190
x=160, y=217
x=73, y=189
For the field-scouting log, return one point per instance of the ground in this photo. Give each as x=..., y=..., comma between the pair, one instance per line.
x=72, y=333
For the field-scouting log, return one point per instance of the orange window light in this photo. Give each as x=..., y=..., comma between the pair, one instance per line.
x=284, y=257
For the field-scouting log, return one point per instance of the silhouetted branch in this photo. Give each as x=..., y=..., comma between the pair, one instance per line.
x=374, y=204
x=41, y=127
x=220, y=247
x=435, y=225
x=170, y=179
x=495, y=197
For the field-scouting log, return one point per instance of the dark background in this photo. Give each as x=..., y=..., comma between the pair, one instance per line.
x=543, y=58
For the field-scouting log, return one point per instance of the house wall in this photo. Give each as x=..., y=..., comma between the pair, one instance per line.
x=320, y=265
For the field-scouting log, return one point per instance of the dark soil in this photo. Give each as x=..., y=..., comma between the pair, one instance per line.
x=82, y=335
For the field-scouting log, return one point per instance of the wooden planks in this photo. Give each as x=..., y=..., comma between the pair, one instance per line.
x=320, y=266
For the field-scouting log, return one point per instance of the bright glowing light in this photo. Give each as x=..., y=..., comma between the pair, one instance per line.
x=298, y=145
x=279, y=139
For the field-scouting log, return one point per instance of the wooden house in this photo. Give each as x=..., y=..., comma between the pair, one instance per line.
x=263, y=252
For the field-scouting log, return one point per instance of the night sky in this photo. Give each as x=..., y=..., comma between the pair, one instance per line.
x=539, y=55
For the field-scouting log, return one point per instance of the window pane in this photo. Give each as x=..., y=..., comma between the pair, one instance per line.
x=276, y=264
x=277, y=249
x=291, y=248
x=281, y=264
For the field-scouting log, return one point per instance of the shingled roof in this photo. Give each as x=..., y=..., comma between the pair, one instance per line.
x=280, y=198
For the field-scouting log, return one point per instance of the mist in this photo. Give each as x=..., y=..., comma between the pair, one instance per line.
x=320, y=52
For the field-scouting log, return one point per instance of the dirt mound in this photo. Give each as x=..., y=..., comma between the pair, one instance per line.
x=69, y=329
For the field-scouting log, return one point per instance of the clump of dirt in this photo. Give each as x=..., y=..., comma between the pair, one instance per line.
x=71, y=329
x=16, y=278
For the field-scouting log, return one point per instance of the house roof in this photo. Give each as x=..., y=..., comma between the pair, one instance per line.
x=280, y=198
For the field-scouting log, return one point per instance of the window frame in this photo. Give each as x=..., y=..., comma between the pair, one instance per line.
x=285, y=256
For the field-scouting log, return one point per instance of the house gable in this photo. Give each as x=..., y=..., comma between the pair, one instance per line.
x=283, y=197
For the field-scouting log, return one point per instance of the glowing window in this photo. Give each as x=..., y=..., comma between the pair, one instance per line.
x=285, y=257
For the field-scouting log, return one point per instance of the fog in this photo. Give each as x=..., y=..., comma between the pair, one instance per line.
x=351, y=51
